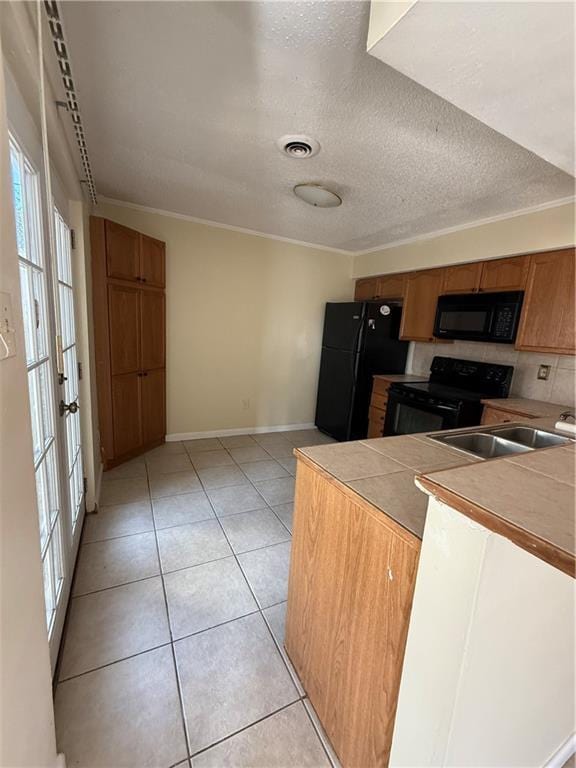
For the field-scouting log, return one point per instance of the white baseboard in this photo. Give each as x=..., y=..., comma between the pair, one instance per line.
x=175, y=436
x=563, y=753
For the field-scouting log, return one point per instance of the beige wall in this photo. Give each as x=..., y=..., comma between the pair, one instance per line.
x=549, y=228
x=26, y=716
x=244, y=322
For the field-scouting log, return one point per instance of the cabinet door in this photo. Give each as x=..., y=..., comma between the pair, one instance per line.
x=153, y=388
x=463, y=278
x=153, y=334
x=349, y=599
x=152, y=261
x=122, y=252
x=547, y=323
x=124, y=327
x=504, y=274
x=391, y=286
x=419, y=312
x=126, y=414
x=366, y=289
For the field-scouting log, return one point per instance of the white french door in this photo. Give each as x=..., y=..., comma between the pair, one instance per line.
x=48, y=313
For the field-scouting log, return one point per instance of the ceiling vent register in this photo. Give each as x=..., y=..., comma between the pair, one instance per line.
x=298, y=147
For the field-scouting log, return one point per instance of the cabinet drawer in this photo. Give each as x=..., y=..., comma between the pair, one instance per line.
x=379, y=401
x=496, y=416
x=380, y=387
x=377, y=414
x=375, y=429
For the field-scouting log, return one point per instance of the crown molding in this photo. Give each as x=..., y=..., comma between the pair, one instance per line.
x=469, y=225
x=219, y=225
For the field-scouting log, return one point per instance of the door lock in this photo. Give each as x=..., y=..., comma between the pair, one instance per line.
x=70, y=407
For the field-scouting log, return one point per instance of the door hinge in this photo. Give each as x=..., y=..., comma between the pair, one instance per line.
x=85, y=484
x=79, y=370
x=73, y=239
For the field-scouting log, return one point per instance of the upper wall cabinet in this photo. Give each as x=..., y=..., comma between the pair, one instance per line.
x=133, y=256
x=382, y=287
x=463, y=278
x=420, y=299
x=547, y=323
x=122, y=252
x=365, y=289
x=391, y=287
x=152, y=261
x=504, y=274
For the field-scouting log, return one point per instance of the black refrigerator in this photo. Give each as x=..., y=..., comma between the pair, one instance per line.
x=360, y=339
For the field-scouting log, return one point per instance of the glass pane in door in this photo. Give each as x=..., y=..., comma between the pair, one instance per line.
x=41, y=384
x=70, y=366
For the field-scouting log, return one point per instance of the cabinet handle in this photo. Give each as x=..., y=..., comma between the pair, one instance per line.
x=143, y=279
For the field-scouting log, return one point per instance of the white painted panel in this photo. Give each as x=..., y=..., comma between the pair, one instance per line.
x=510, y=65
x=488, y=677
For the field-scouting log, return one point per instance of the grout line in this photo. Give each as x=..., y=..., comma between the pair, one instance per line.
x=162, y=575
x=245, y=728
x=174, y=662
x=321, y=737
x=114, y=662
x=261, y=609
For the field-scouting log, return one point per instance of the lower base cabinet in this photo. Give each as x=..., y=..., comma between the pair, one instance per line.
x=351, y=584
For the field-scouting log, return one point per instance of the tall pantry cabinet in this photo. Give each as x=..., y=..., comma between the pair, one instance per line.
x=129, y=307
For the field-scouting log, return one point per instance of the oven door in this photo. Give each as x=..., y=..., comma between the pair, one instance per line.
x=408, y=414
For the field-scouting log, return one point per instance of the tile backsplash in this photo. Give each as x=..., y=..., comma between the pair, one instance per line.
x=558, y=388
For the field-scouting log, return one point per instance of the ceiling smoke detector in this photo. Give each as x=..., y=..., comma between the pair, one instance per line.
x=317, y=195
x=298, y=147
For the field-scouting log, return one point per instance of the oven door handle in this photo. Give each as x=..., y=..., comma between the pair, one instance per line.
x=445, y=407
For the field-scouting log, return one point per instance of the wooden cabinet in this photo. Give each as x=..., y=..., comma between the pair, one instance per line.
x=153, y=330
x=547, y=323
x=124, y=325
x=504, y=274
x=463, y=278
x=499, y=416
x=126, y=409
x=365, y=289
x=130, y=255
x=122, y=251
x=351, y=584
x=130, y=339
x=382, y=287
x=378, y=404
x=391, y=286
x=152, y=389
x=152, y=261
x=420, y=299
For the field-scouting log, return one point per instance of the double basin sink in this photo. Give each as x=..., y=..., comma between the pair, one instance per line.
x=498, y=441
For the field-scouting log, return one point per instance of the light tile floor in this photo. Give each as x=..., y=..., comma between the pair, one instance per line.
x=173, y=651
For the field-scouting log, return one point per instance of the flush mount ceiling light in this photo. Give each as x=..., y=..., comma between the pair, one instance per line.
x=318, y=196
x=298, y=147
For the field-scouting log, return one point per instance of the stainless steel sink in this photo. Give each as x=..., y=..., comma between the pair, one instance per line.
x=491, y=442
x=532, y=437
x=486, y=446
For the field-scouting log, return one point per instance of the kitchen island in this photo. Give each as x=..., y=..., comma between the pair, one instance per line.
x=362, y=532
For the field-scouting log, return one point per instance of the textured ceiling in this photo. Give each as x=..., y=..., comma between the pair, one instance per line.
x=183, y=102
x=511, y=65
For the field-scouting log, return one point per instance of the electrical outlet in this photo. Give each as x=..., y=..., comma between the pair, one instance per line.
x=246, y=405
x=7, y=333
x=544, y=372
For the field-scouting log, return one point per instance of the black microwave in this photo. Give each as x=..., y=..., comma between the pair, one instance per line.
x=479, y=316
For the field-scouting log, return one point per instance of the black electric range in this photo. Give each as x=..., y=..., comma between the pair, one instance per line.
x=451, y=398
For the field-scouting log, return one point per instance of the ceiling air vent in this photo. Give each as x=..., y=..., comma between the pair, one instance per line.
x=298, y=147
